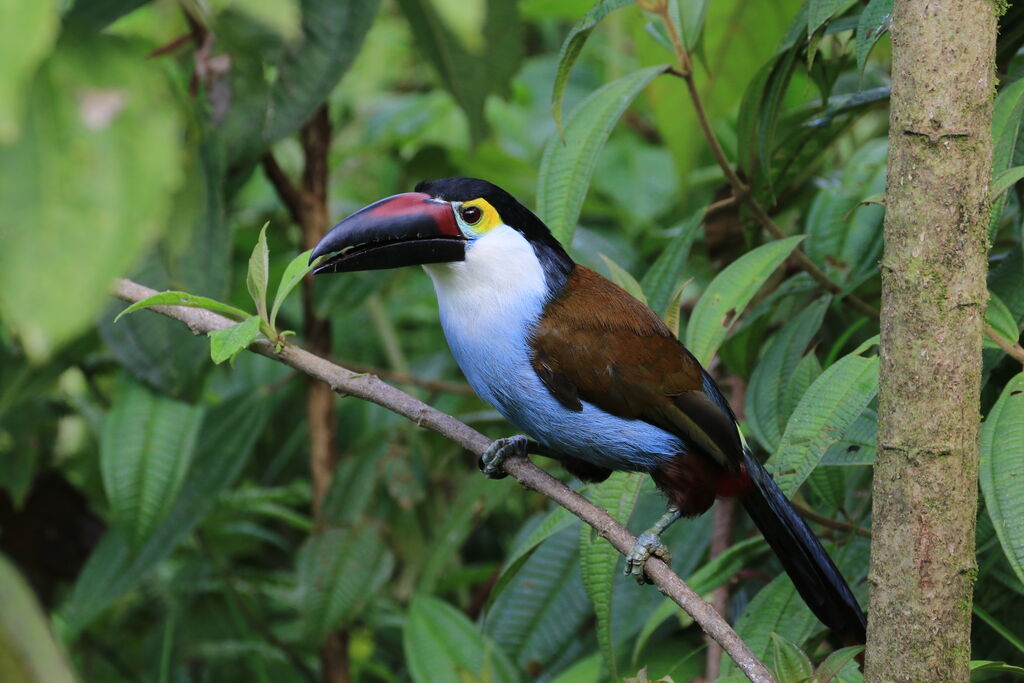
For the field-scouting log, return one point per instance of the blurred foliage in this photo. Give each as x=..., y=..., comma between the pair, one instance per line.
x=159, y=505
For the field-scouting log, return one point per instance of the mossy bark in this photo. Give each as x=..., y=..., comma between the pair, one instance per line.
x=933, y=305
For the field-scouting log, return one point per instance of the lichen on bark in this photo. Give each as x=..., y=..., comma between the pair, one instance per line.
x=933, y=303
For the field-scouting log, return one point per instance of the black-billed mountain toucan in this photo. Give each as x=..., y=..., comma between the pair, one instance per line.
x=581, y=366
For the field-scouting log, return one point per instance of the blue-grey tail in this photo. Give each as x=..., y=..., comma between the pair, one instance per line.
x=813, y=573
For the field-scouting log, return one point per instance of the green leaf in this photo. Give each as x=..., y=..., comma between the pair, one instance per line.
x=598, y=559
x=832, y=403
x=663, y=277
x=225, y=443
x=442, y=646
x=1003, y=181
x=185, y=299
x=999, y=627
x=95, y=15
x=691, y=22
x=1002, y=321
x=145, y=451
x=89, y=107
x=27, y=32
x=836, y=662
x=789, y=663
x=1002, y=471
x=765, y=405
x=568, y=163
x=558, y=519
x=227, y=343
x=1006, y=116
x=293, y=274
x=820, y=11
x=981, y=666
x=729, y=293
x=622, y=278
x=874, y=22
x=672, y=312
x=539, y=616
x=337, y=572
x=573, y=45
x=282, y=16
x=711, y=575
x=28, y=652
x=257, y=276
x=470, y=72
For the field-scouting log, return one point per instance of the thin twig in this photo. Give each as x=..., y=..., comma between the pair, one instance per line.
x=828, y=522
x=408, y=378
x=286, y=190
x=1013, y=350
x=372, y=389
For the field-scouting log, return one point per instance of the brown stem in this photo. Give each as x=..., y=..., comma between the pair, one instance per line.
x=434, y=385
x=1013, y=350
x=829, y=523
x=372, y=389
x=283, y=185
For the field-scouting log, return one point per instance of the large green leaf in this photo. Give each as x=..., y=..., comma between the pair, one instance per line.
x=573, y=45
x=832, y=403
x=568, y=161
x=261, y=111
x=729, y=293
x=338, y=571
x=28, y=652
x=145, y=451
x=225, y=443
x=94, y=15
x=765, y=398
x=442, y=646
x=873, y=24
x=664, y=275
x=1006, y=117
x=543, y=611
x=27, y=32
x=81, y=194
x=598, y=559
x=1002, y=471
x=470, y=71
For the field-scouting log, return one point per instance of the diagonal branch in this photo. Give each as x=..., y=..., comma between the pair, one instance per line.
x=529, y=475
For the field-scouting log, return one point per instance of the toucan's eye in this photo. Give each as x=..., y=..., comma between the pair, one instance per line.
x=471, y=214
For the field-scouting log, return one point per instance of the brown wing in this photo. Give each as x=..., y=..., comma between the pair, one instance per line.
x=597, y=343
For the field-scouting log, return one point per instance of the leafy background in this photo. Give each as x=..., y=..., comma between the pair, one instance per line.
x=155, y=508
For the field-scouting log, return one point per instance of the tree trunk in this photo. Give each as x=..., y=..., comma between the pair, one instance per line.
x=933, y=304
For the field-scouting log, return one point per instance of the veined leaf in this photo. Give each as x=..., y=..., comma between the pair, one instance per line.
x=28, y=652
x=573, y=45
x=874, y=22
x=789, y=663
x=729, y=293
x=691, y=22
x=622, y=278
x=337, y=572
x=258, y=274
x=1003, y=181
x=558, y=519
x=832, y=403
x=598, y=559
x=568, y=164
x=663, y=277
x=225, y=443
x=297, y=269
x=765, y=393
x=442, y=646
x=836, y=662
x=185, y=299
x=227, y=343
x=820, y=11
x=1006, y=116
x=1002, y=471
x=981, y=666
x=145, y=451
x=544, y=608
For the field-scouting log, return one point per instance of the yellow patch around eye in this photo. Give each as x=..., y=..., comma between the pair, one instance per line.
x=488, y=221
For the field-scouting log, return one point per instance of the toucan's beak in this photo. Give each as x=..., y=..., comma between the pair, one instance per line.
x=404, y=230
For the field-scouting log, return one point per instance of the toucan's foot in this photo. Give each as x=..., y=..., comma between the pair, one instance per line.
x=647, y=544
x=492, y=459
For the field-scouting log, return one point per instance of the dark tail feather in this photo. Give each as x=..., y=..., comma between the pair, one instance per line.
x=813, y=573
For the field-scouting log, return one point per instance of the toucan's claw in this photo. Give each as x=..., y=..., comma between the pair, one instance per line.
x=491, y=462
x=647, y=544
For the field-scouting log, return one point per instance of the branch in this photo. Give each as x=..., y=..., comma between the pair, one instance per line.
x=1013, y=350
x=529, y=475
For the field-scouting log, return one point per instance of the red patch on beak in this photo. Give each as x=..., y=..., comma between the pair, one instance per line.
x=419, y=203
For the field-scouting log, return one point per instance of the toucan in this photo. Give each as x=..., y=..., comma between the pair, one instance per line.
x=588, y=372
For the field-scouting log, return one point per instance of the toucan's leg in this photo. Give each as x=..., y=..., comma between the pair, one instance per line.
x=649, y=543
x=491, y=461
